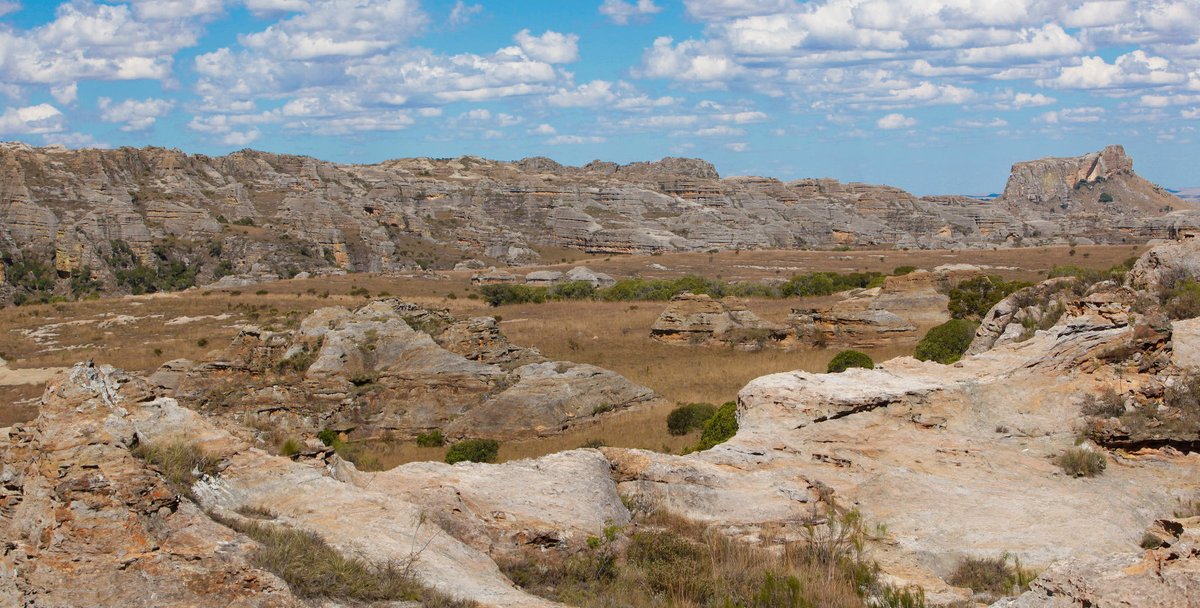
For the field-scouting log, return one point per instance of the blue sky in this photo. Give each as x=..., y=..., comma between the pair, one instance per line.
x=940, y=96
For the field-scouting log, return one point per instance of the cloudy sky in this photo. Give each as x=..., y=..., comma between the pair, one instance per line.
x=936, y=96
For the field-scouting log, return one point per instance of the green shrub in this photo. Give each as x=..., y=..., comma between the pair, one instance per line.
x=328, y=437
x=431, y=439
x=243, y=221
x=847, y=359
x=1106, y=197
x=947, y=342
x=499, y=295
x=827, y=283
x=473, y=450
x=691, y=417
x=1080, y=462
x=720, y=428
x=903, y=270
x=573, y=290
x=973, y=298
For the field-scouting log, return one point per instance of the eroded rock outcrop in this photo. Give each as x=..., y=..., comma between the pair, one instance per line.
x=1098, y=182
x=1167, y=576
x=956, y=460
x=89, y=524
x=390, y=366
x=1166, y=264
x=700, y=320
x=85, y=523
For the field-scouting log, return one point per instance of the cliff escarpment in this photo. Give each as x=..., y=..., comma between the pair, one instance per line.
x=152, y=219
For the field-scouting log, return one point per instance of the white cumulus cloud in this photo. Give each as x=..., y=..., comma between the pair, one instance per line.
x=621, y=12
x=895, y=121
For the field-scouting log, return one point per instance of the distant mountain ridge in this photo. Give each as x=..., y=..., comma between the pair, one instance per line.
x=151, y=218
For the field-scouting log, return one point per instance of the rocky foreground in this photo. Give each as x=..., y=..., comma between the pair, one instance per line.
x=140, y=219
x=956, y=460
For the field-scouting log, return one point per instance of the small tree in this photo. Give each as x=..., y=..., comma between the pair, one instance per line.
x=847, y=359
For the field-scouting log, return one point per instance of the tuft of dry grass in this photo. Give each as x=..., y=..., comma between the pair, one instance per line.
x=992, y=578
x=1080, y=462
x=664, y=560
x=180, y=462
x=314, y=569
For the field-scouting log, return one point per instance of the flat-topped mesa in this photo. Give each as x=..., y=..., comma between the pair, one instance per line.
x=1096, y=182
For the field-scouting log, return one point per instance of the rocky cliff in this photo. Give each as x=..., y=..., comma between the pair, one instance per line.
x=1099, y=183
x=150, y=219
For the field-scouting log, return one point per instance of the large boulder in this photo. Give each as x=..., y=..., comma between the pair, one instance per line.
x=915, y=298
x=1165, y=264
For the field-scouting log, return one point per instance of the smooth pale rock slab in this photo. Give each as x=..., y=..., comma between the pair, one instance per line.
x=1185, y=343
x=562, y=499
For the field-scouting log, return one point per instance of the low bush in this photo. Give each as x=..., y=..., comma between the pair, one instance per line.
x=947, y=342
x=1182, y=300
x=691, y=417
x=431, y=439
x=1105, y=404
x=500, y=295
x=847, y=359
x=973, y=298
x=1080, y=462
x=827, y=283
x=328, y=437
x=720, y=428
x=991, y=578
x=473, y=450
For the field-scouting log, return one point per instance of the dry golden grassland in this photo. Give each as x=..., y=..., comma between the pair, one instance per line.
x=139, y=333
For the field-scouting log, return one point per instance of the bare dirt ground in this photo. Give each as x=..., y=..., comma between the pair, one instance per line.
x=139, y=333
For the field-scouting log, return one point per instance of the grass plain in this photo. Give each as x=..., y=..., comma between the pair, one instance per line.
x=139, y=333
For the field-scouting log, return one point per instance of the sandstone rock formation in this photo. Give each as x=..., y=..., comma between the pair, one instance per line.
x=87, y=524
x=699, y=320
x=956, y=460
x=83, y=209
x=1018, y=315
x=1166, y=264
x=1098, y=182
x=1166, y=577
x=390, y=366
